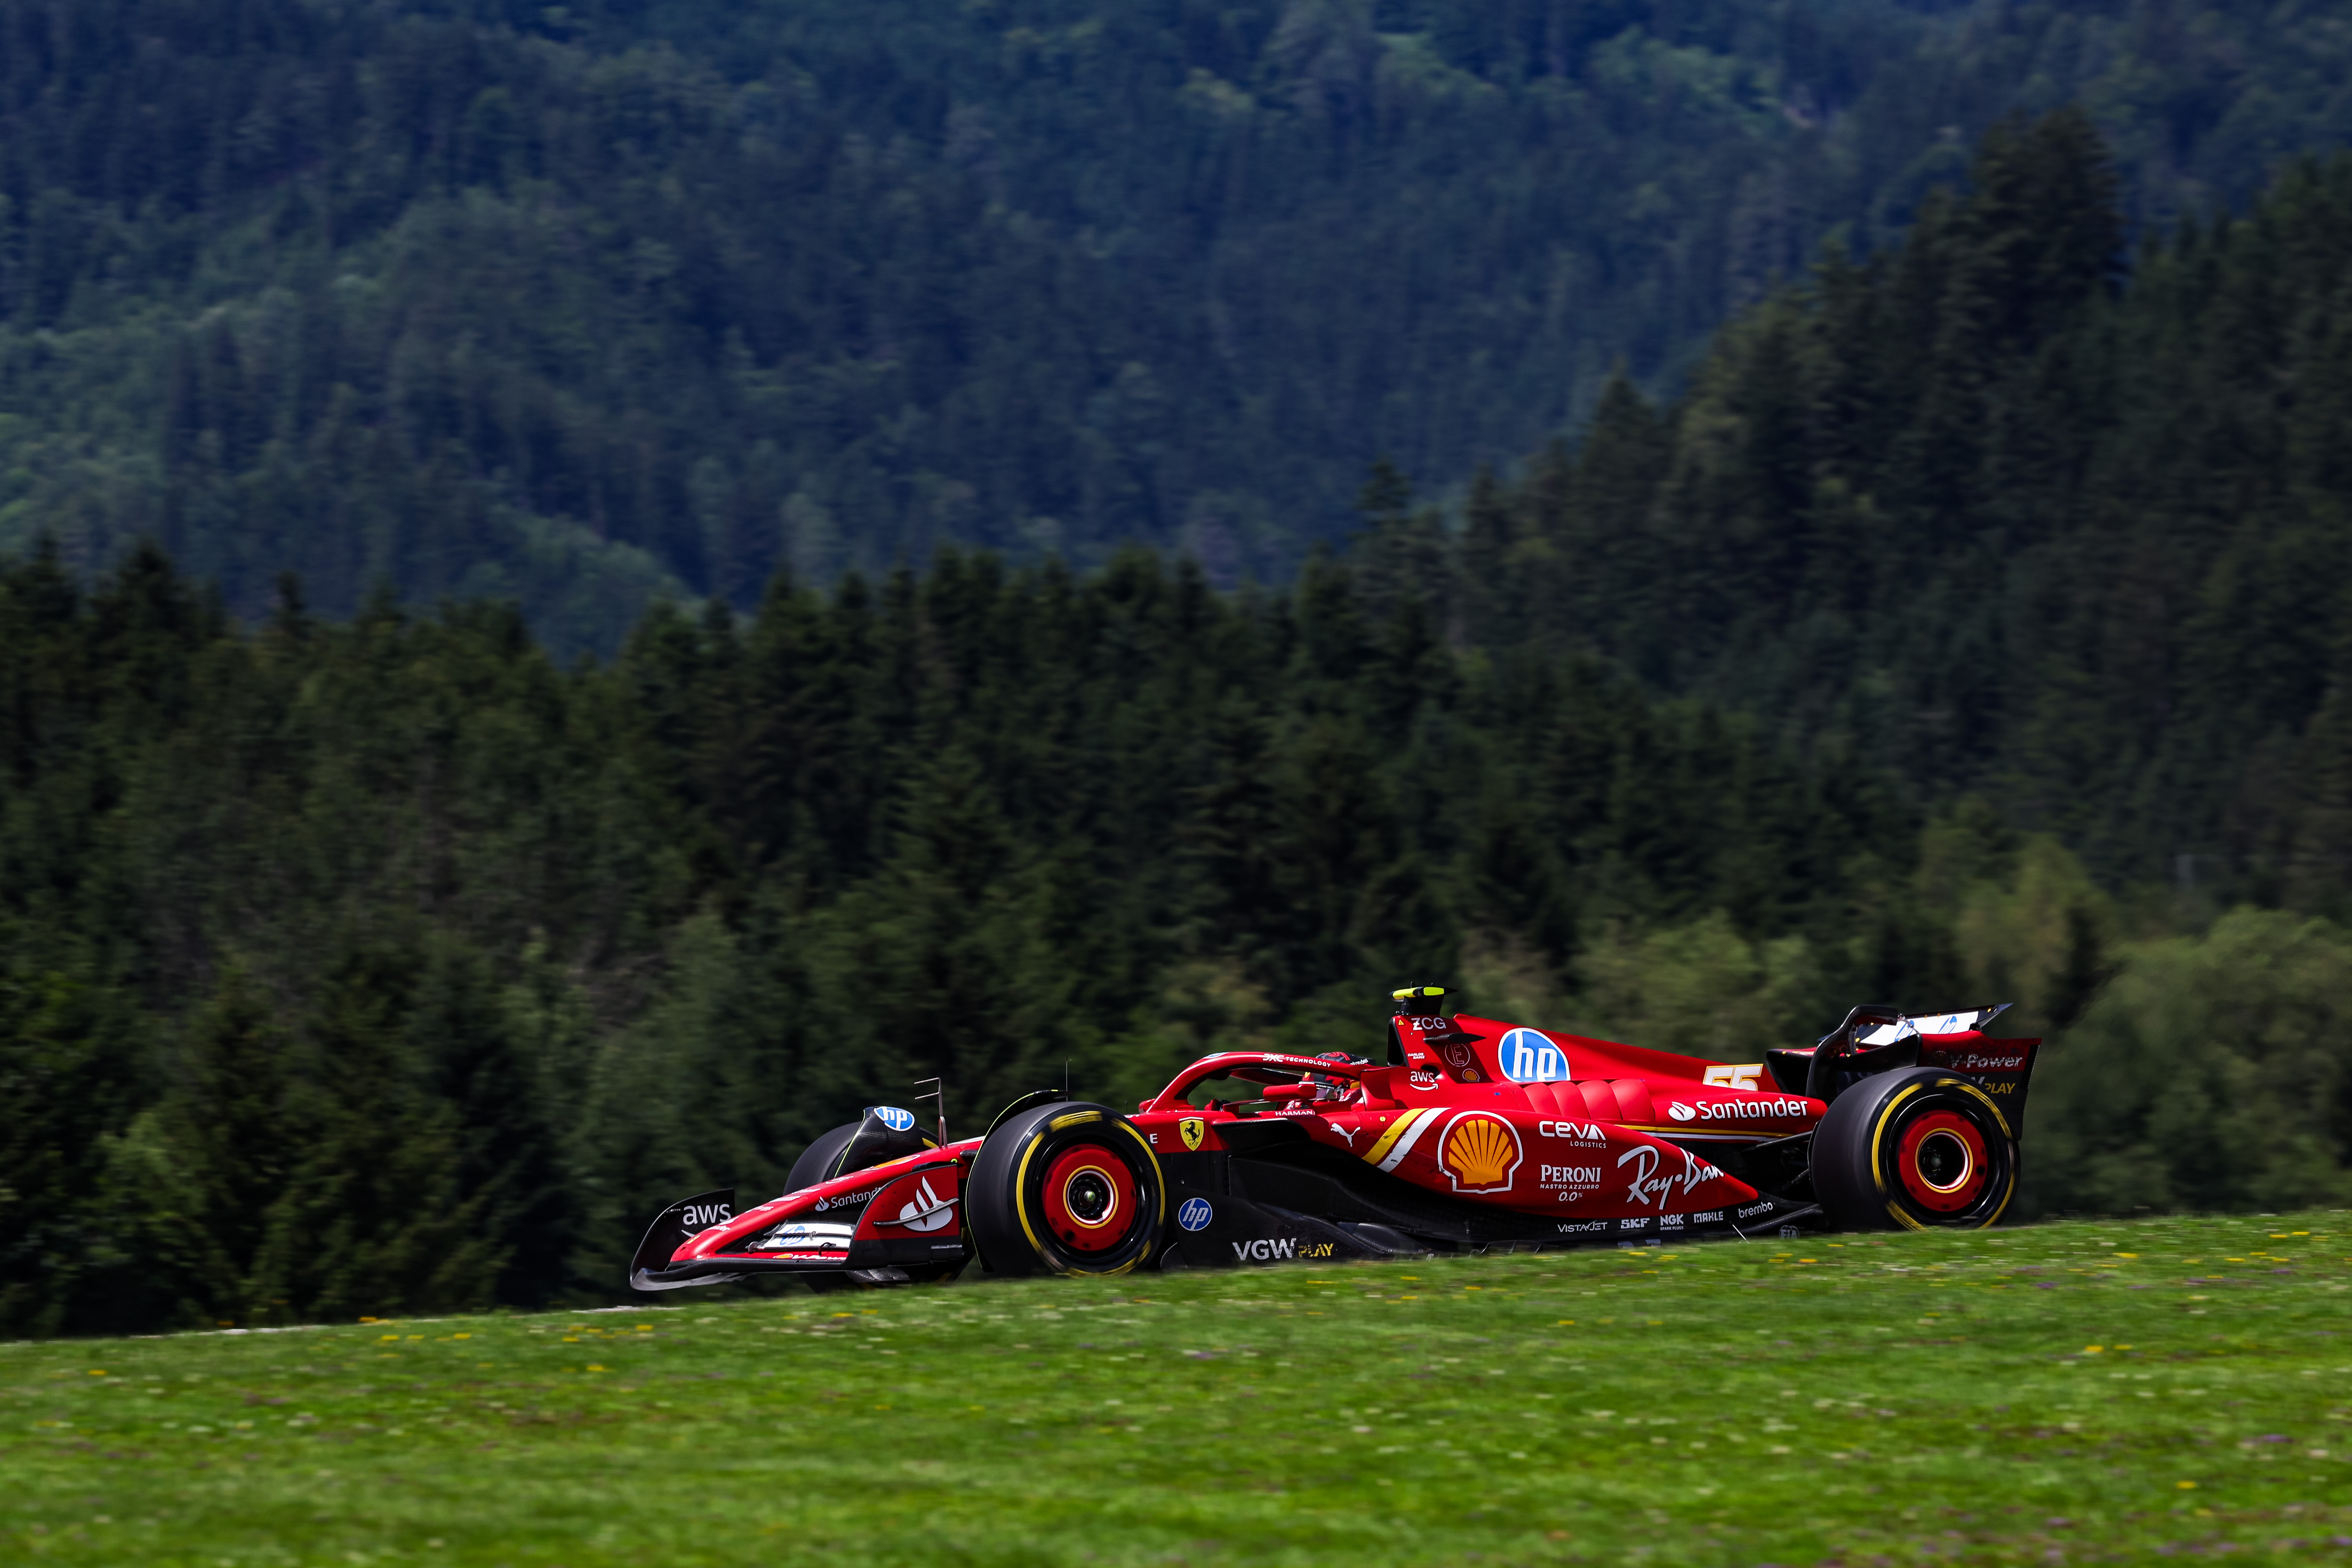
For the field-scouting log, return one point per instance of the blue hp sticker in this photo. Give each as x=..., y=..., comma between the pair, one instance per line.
x=1193, y=1214
x=896, y=1120
x=1528, y=1057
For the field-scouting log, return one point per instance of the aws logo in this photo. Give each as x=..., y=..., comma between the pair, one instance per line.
x=1479, y=1152
x=702, y=1216
x=1528, y=1057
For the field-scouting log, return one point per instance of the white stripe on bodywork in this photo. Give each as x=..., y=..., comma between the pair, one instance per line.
x=1421, y=1120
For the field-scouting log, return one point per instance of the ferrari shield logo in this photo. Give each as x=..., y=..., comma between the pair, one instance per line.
x=1191, y=1128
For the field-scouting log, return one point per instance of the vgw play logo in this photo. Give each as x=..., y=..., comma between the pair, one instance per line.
x=1528, y=1056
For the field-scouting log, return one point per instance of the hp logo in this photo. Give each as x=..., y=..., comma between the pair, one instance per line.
x=1528, y=1057
x=1194, y=1214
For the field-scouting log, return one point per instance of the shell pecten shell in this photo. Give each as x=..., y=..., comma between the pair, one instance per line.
x=1480, y=1153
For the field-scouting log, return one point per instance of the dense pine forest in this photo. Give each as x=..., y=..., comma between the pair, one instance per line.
x=575, y=304
x=387, y=962
x=1966, y=623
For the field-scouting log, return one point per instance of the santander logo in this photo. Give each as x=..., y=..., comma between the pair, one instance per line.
x=1766, y=1108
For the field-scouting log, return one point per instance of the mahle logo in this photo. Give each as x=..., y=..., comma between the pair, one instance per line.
x=1528, y=1057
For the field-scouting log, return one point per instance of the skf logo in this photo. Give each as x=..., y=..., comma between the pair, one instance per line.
x=1192, y=1129
x=1479, y=1152
x=702, y=1216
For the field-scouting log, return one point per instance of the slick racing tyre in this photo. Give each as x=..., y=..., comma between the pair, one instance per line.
x=819, y=1161
x=856, y=1145
x=1067, y=1188
x=1916, y=1149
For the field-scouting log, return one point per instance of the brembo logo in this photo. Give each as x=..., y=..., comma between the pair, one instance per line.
x=702, y=1216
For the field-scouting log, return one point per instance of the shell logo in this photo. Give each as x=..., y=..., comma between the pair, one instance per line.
x=1479, y=1152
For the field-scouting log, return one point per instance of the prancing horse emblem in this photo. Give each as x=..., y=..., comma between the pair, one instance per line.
x=1191, y=1128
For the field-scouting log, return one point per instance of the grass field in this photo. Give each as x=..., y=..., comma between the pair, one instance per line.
x=2080, y=1392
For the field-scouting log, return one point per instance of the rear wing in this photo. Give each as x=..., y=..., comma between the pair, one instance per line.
x=1876, y=1040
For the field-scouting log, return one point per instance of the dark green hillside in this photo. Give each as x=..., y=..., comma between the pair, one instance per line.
x=1987, y=513
x=574, y=303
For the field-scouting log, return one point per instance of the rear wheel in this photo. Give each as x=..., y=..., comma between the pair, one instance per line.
x=1067, y=1188
x=1917, y=1149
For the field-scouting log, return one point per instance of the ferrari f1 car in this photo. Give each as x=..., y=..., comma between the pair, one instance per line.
x=1472, y=1135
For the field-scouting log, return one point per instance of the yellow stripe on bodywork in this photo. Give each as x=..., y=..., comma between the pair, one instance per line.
x=1390, y=1149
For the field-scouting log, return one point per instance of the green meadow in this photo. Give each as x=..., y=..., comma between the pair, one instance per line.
x=2059, y=1393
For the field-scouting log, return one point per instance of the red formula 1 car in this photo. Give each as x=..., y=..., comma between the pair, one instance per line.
x=1473, y=1134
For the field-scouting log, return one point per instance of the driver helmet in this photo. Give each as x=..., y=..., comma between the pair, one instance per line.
x=1330, y=1086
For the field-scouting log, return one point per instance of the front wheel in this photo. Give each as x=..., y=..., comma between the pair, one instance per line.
x=1916, y=1149
x=1067, y=1188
